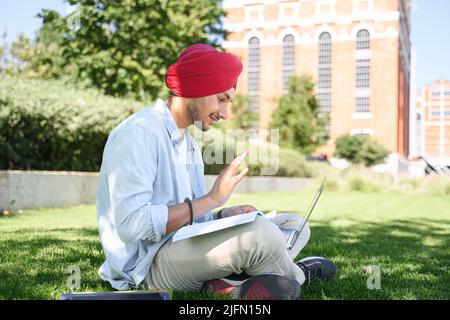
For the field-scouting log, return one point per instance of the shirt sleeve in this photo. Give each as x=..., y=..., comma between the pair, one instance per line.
x=200, y=172
x=132, y=160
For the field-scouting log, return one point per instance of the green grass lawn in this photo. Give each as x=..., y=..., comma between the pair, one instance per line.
x=408, y=237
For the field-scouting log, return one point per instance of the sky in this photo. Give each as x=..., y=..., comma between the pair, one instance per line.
x=430, y=36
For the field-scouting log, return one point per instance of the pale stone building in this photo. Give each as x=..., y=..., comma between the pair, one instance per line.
x=433, y=123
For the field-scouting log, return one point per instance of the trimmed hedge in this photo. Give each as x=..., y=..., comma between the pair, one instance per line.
x=47, y=125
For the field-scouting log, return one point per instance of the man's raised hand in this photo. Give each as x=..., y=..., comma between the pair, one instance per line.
x=227, y=180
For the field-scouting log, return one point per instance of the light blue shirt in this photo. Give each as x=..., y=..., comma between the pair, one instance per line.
x=140, y=176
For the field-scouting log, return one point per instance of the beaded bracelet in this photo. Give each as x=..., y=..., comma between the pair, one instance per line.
x=191, y=212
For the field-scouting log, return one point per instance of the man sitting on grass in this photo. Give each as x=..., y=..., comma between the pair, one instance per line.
x=151, y=184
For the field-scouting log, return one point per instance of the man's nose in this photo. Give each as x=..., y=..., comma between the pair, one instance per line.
x=223, y=113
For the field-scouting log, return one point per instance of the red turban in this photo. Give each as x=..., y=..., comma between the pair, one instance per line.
x=201, y=71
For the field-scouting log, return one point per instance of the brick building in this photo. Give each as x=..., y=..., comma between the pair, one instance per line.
x=357, y=51
x=433, y=123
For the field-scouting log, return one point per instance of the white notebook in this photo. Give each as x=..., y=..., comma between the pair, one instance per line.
x=290, y=235
x=198, y=229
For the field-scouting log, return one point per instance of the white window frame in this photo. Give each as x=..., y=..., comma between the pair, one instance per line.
x=356, y=7
x=362, y=114
x=259, y=9
x=320, y=3
x=366, y=131
x=282, y=10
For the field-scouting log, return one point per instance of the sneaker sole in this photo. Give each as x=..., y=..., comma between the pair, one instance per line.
x=260, y=287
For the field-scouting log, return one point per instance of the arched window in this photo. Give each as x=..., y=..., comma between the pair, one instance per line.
x=324, y=78
x=362, y=40
x=288, y=60
x=253, y=73
x=362, y=72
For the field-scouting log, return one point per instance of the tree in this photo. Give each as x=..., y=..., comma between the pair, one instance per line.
x=17, y=55
x=41, y=58
x=47, y=61
x=3, y=51
x=360, y=149
x=297, y=117
x=125, y=47
x=372, y=153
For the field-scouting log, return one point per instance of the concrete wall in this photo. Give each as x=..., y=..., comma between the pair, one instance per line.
x=42, y=189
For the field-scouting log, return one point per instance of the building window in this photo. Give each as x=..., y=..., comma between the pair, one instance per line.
x=362, y=72
x=253, y=73
x=362, y=104
x=325, y=48
x=288, y=10
x=437, y=114
x=363, y=40
x=324, y=77
x=438, y=93
x=288, y=60
x=324, y=72
x=435, y=93
x=324, y=7
x=254, y=14
x=362, y=5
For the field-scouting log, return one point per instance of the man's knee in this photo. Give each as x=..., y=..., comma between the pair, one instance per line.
x=267, y=235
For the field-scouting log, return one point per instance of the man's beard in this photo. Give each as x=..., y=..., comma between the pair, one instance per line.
x=194, y=108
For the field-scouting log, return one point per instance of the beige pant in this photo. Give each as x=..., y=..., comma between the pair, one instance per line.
x=255, y=248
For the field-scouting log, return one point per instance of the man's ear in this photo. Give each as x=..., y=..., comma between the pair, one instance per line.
x=189, y=102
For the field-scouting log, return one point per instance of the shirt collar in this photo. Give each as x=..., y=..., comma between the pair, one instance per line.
x=174, y=133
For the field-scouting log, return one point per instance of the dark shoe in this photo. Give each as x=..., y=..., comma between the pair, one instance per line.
x=260, y=287
x=316, y=268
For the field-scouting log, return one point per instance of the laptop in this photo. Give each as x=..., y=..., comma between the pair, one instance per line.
x=291, y=235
